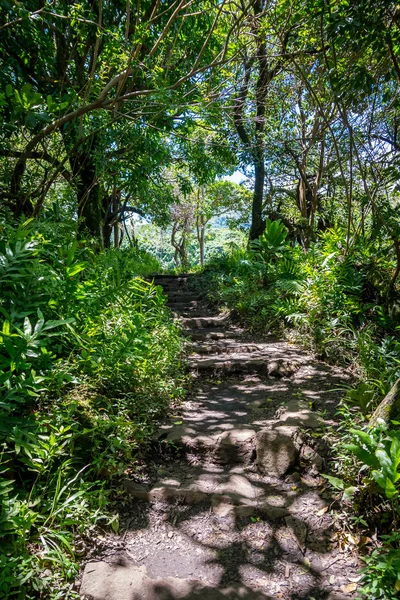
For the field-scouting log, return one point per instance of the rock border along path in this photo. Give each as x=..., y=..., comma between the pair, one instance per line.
x=239, y=511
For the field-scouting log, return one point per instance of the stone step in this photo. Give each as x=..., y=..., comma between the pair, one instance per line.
x=173, y=277
x=230, y=364
x=123, y=579
x=211, y=334
x=226, y=347
x=188, y=313
x=234, y=446
x=178, y=286
x=179, y=305
x=205, y=322
x=183, y=297
x=240, y=493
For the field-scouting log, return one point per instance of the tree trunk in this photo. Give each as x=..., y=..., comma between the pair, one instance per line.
x=201, y=230
x=88, y=190
x=88, y=195
x=202, y=233
x=257, y=222
x=115, y=212
x=389, y=408
x=396, y=273
x=21, y=205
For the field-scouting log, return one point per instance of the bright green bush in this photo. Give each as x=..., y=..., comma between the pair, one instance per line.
x=340, y=305
x=90, y=359
x=335, y=303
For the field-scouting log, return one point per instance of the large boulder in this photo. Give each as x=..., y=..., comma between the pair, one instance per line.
x=236, y=446
x=277, y=450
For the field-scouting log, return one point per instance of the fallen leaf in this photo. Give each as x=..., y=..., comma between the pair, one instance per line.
x=322, y=511
x=350, y=587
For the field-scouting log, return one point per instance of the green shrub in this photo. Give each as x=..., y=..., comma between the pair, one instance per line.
x=90, y=359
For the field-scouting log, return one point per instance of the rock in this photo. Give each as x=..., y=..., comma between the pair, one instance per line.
x=282, y=368
x=239, y=487
x=236, y=446
x=105, y=581
x=294, y=477
x=276, y=450
x=312, y=457
x=299, y=529
x=164, y=493
x=258, y=404
x=204, y=322
x=303, y=418
x=126, y=581
x=222, y=506
x=137, y=490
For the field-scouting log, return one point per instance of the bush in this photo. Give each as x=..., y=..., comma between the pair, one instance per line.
x=90, y=360
x=336, y=304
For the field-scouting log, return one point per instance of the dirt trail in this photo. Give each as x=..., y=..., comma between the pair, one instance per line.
x=239, y=509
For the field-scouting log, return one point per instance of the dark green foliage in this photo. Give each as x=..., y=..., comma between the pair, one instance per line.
x=335, y=301
x=90, y=359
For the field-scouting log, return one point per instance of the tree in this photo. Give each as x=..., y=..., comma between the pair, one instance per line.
x=81, y=69
x=215, y=200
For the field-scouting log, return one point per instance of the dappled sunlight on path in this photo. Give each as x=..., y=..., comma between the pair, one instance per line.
x=238, y=509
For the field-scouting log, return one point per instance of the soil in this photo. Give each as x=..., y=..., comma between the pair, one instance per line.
x=232, y=503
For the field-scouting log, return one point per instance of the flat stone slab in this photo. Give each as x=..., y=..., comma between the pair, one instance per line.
x=127, y=581
x=236, y=446
x=244, y=362
x=211, y=334
x=304, y=418
x=205, y=322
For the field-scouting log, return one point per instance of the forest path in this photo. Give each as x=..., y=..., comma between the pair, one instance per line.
x=238, y=510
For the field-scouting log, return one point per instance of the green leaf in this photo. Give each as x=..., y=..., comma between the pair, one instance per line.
x=390, y=489
x=75, y=269
x=366, y=457
x=335, y=482
x=363, y=436
x=349, y=492
x=27, y=327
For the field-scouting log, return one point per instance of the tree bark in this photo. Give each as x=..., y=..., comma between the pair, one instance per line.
x=255, y=141
x=88, y=195
x=257, y=222
x=88, y=190
x=389, y=408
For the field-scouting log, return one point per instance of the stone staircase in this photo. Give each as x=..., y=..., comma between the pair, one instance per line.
x=245, y=460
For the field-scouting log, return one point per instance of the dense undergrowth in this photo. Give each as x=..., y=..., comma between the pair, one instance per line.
x=342, y=303
x=90, y=358
x=336, y=302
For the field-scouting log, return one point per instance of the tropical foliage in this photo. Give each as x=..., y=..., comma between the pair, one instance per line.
x=90, y=359
x=111, y=109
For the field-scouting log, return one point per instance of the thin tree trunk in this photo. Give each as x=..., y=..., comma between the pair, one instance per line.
x=115, y=211
x=389, y=409
x=257, y=222
x=397, y=270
